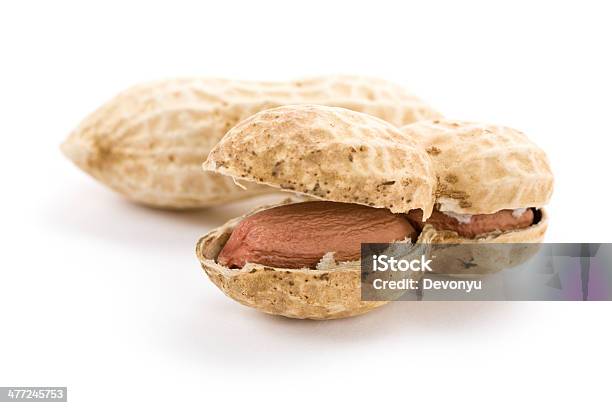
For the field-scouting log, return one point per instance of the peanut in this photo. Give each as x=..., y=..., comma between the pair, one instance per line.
x=298, y=235
x=149, y=142
x=477, y=224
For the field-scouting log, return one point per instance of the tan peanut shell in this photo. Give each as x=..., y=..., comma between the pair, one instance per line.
x=148, y=142
x=334, y=154
x=331, y=292
x=481, y=168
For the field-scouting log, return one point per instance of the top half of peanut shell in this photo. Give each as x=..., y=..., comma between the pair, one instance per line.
x=329, y=153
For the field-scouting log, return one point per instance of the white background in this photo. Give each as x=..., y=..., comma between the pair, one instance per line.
x=107, y=298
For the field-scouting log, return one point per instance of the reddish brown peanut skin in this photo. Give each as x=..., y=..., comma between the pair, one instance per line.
x=479, y=224
x=298, y=235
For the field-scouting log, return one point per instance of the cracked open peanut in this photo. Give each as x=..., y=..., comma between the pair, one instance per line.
x=368, y=175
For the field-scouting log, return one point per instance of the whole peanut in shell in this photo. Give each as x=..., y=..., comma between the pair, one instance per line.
x=149, y=142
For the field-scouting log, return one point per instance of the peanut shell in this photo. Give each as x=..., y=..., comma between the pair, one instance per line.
x=330, y=292
x=330, y=153
x=481, y=168
x=148, y=143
